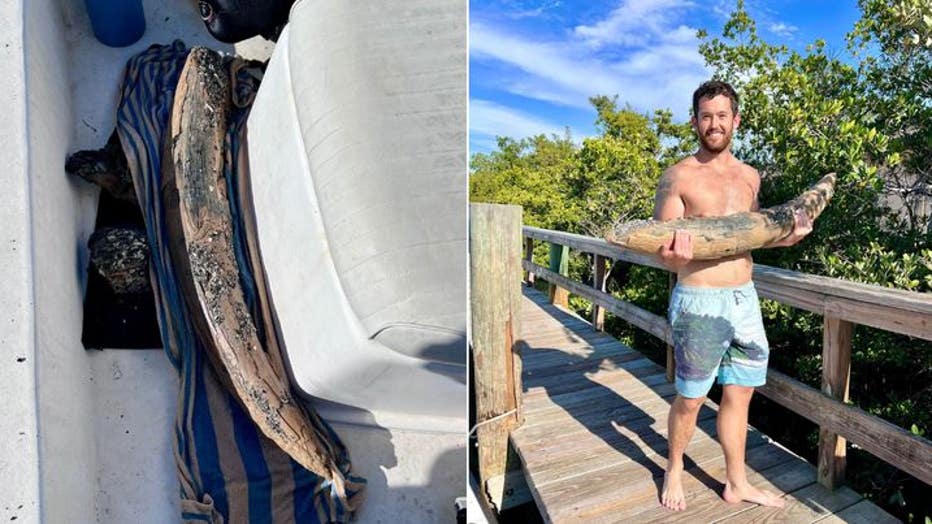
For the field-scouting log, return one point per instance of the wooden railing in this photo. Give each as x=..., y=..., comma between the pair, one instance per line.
x=841, y=303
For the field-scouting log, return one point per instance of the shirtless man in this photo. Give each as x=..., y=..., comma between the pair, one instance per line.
x=714, y=310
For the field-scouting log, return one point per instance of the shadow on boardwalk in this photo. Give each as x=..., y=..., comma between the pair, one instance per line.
x=574, y=383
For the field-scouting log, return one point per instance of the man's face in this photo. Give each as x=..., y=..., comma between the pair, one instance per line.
x=715, y=123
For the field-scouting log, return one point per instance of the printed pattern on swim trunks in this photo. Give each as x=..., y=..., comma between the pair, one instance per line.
x=717, y=332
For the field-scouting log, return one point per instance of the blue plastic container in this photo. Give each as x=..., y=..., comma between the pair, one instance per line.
x=116, y=23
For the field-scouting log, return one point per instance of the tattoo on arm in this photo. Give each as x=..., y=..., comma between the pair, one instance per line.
x=664, y=191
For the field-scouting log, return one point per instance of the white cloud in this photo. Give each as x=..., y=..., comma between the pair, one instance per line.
x=634, y=22
x=488, y=119
x=517, y=14
x=660, y=75
x=556, y=69
x=784, y=30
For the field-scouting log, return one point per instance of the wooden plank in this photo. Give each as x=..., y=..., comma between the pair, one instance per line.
x=623, y=435
x=836, y=371
x=549, y=425
x=545, y=345
x=529, y=256
x=535, y=324
x=622, y=370
x=864, y=512
x=534, y=359
x=599, y=279
x=541, y=331
x=708, y=506
x=590, y=245
x=552, y=316
x=559, y=263
x=558, y=361
x=555, y=358
x=581, y=366
x=908, y=301
x=808, y=504
x=595, y=497
x=564, y=336
x=643, y=370
x=703, y=448
x=643, y=466
x=653, y=324
x=658, y=383
x=508, y=490
x=495, y=291
x=899, y=311
x=646, y=461
x=875, y=314
x=597, y=397
x=566, y=340
x=660, y=388
x=603, y=393
x=592, y=454
x=890, y=443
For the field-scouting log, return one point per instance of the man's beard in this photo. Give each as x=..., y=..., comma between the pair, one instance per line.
x=715, y=149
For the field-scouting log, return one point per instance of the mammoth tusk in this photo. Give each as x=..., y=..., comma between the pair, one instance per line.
x=717, y=237
x=200, y=226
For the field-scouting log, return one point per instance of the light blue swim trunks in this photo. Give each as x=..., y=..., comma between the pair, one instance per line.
x=717, y=332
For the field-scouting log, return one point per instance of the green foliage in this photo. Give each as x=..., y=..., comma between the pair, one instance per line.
x=615, y=174
x=878, y=265
x=530, y=172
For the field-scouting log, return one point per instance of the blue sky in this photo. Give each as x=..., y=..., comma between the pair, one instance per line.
x=535, y=63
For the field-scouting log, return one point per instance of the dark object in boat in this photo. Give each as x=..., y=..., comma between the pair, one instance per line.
x=118, y=320
x=121, y=256
x=105, y=167
x=231, y=21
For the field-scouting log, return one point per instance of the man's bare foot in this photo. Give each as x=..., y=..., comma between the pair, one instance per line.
x=749, y=493
x=672, y=496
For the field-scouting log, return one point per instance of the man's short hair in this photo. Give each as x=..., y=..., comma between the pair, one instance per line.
x=712, y=89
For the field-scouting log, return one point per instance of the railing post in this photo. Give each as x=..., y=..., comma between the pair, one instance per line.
x=559, y=263
x=495, y=296
x=599, y=274
x=529, y=256
x=671, y=357
x=836, y=371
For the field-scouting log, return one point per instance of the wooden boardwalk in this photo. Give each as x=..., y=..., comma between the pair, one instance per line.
x=594, y=442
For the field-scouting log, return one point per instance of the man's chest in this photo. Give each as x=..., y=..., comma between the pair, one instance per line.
x=718, y=196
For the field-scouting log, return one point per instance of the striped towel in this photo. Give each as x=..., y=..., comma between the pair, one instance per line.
x=228, y=470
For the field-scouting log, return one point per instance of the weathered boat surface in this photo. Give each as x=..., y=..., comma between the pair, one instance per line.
x=369, y=159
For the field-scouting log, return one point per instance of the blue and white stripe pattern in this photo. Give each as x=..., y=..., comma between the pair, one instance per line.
x=228, y=470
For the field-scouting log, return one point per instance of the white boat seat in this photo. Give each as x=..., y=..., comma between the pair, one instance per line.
x=358, y=160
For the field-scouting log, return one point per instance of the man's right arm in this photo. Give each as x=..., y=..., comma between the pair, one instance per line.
x=669, y=205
